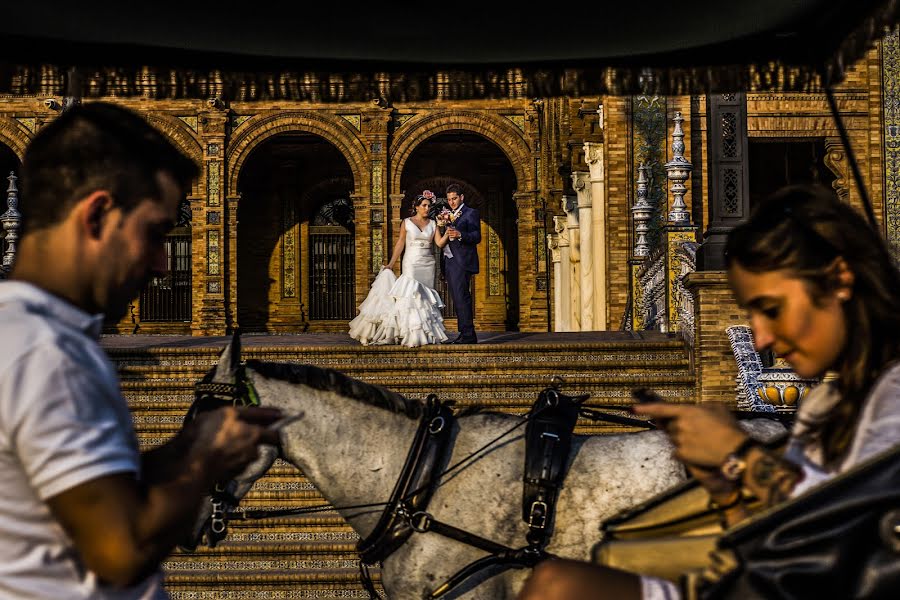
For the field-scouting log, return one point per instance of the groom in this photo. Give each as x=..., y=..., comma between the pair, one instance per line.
x=461, y=261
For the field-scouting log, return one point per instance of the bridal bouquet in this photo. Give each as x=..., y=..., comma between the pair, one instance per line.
x=444, y=217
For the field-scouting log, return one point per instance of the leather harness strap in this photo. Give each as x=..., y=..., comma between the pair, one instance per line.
x=548, y=437
x=415, y=485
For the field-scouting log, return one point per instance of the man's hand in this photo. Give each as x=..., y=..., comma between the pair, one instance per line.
x=222, y=442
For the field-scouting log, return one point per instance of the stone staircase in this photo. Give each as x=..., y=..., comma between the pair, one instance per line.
x=313, y=556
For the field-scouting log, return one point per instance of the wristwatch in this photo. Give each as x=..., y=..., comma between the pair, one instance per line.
x=734, y=466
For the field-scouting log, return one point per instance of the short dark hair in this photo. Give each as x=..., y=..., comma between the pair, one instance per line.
x=455, y=188
x=96, y=146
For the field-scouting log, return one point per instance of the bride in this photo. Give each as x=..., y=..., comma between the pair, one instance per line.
x=406, y=310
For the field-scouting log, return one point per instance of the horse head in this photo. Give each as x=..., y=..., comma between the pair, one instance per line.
x=210, y=523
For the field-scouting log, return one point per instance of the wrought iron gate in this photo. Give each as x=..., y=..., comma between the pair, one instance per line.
x=331, y=273
x=168, y=297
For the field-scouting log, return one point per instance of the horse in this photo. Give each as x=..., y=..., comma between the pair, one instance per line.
x=350, y=439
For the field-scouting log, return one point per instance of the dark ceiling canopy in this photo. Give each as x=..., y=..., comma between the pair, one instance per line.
x=374, y=52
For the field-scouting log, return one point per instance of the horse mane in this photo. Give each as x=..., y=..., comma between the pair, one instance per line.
x=330, y=380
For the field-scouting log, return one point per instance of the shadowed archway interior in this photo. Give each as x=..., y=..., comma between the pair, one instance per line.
x=488, y=182
x=284, y=184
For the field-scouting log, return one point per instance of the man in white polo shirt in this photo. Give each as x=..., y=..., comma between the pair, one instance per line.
x=82, y=513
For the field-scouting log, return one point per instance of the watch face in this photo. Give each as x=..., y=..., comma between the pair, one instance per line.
x=733, y=468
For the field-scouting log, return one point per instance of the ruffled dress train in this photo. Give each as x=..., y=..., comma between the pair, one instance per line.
x=404, y=310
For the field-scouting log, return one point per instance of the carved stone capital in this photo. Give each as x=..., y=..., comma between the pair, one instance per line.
x=836, y=161
x=581, y=182
x=593, y=156
x=559, y=225
x=553, y=246
x=569, y=205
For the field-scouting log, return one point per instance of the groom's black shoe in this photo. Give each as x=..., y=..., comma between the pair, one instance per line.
x=466, y=340
x=454, y=340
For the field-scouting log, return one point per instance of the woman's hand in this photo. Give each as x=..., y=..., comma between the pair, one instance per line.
x=703, y=436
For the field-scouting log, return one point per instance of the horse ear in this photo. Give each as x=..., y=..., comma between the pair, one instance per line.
x=229, y=360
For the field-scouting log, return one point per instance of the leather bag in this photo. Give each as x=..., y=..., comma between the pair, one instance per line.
x=840, y=539
x=667, y=536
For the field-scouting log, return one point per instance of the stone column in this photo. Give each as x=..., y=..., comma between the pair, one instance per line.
x=373, y=245
x=573, y=266
x=532, y=298
x=564, y=280
x=581, y=184
x=553, y=245
x=593, y=154
x=212, y=276
x=232, y=203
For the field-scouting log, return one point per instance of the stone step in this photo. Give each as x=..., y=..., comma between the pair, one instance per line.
x=313, y=555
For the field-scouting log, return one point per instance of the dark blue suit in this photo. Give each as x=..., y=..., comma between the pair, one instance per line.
x=458, y=270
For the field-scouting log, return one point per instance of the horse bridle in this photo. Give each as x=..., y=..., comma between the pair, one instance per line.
x=210, y=395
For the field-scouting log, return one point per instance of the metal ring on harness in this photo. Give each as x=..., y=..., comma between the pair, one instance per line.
x=420, y=521
x=436, y=425
x=552, y=398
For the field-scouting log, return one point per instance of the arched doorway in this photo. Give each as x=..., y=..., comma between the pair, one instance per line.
x=488, y=182
x=289, y=270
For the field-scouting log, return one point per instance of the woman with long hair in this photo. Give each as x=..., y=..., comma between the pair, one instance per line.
x=407, y=309
x=821, y=290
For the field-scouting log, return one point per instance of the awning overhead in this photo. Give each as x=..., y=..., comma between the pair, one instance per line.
x=373, y=52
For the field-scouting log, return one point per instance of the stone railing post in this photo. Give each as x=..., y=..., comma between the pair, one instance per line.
x=10, y=220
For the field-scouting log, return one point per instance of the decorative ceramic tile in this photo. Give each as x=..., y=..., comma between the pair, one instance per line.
x=212, y=252
x=518, y=121
x=891, y=92
x=401, y=119
x=238, y=120
x=289, y=252
x=377, y=249
x=30, y=123
x=213, y=192
x=190, y=122
x=353, y=120
x=377, y=179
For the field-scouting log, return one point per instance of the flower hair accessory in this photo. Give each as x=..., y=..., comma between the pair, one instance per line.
x=427, y=195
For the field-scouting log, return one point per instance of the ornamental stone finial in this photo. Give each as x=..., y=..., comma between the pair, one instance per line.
x=678, y=170
x=10, y=221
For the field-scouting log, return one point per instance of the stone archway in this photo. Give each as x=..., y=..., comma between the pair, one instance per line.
x=179, y=134
x=284, y=184
x=14, y=136
x=488, y=180
x=260, y=128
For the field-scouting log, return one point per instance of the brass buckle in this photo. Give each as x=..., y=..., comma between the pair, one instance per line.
x=535, y=515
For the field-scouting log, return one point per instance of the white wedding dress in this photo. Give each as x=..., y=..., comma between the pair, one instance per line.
x=404, y=310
